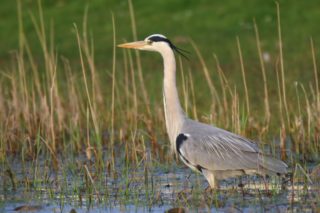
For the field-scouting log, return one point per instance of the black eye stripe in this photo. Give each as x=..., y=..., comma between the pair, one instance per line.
x=159, y=38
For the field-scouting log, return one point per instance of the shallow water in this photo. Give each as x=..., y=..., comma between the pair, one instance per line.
x=147, y=187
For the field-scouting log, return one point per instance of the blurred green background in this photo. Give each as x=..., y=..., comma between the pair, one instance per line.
x=212, y=25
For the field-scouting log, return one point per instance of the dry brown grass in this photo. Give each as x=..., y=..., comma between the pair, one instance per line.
x=47, y=99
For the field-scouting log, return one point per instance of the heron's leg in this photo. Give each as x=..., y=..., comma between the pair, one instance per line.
x=265, y=182
x=209, y=175
x=240, y=185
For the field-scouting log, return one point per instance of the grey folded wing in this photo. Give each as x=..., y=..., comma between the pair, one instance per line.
x=225, y=151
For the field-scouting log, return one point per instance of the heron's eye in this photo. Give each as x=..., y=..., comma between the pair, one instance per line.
x=149, y=42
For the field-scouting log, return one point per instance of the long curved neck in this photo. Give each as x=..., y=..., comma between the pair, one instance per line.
x=174, y=114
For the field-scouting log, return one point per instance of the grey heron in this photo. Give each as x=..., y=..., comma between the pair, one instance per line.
x=214, y=152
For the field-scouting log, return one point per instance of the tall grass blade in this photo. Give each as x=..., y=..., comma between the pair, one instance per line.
x=243, y=77
x=267, y=114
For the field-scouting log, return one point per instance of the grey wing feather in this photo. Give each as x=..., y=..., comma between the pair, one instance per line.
x=216, y=149
x=217, y=153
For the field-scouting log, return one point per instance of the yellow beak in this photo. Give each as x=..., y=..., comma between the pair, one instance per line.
x=133, y=45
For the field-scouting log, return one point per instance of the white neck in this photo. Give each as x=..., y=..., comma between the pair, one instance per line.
x=174, y=114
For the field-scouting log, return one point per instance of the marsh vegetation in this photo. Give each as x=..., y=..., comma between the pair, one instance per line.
x=76, y=133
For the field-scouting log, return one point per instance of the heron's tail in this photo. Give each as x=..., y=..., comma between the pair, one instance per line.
x=270, y=165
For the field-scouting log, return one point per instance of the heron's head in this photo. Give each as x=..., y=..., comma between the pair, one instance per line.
x=155, y=42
